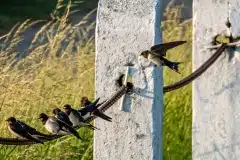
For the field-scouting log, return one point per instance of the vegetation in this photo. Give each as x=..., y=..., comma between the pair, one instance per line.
x=13, y=11
x=178, y=104
x=58, y=68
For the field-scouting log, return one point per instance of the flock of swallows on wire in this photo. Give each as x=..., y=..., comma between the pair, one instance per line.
x=64, y=123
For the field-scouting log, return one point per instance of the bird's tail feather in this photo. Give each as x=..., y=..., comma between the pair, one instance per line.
x=33, y=139
x=91, y=127
x=172, y=65
x=103, y=116
x=71, y=130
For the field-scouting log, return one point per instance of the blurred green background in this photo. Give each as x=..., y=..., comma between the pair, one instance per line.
x=13, y=11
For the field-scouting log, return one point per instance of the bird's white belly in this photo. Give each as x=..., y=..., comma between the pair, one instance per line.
x=15, y=134
x=155, y=59
x=86, y=116
x=75, y=121
x=52, y=126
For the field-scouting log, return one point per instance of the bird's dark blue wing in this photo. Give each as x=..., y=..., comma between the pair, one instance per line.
x=32, y=131
x=102, y=115
x=91, y=107
x=26, y=127
x=83, y=111
x=64, y=117
x=160, y=49
x=19, y=129
x=78, y=115
x=64, y=126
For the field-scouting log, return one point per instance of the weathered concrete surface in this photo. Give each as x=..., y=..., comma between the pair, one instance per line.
x=124, y=29
x=216, y=102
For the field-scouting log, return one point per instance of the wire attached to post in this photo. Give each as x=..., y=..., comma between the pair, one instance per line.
x=196, y=73
x=128, y=88
x=123, y=90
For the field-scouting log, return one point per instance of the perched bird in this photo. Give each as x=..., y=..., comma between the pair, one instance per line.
x=62, y=116
x=76, y=118
x=157, y=53
x=89, y=108
x=56, y=126
x=86, y=111
x=22, y=130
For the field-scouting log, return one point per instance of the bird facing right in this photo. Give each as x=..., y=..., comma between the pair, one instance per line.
x=62, y=116
x=76, y=118
x=89, y=108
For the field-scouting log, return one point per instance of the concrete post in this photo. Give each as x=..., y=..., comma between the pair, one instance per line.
x=216, y=102
x=124, y=29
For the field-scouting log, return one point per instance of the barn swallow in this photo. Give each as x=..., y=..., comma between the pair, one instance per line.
x=22, y=130
x=89, y=108
x=76, y=118
x=62, y=116
x=56, y=126
x=157, y=53
x=91, y=105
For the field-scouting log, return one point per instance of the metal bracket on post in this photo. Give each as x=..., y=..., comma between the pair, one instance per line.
x=121, y=43
x=123, y=99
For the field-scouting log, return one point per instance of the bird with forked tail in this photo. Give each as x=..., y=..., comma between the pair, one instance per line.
x=56, y=126
x=157, y=53
x=62, y=116
x=76, y=118
x=89, y=108
x=23, y=131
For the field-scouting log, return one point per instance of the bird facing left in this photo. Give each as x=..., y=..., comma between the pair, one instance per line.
x=56, y=126
x=23, y=131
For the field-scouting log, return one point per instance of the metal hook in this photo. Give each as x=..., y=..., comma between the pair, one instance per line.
x=122, y=101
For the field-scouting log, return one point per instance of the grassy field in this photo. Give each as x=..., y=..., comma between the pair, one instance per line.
x=178, y=106
x=59, y=69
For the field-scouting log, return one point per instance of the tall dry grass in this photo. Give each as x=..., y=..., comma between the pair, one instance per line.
x=55, y=69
